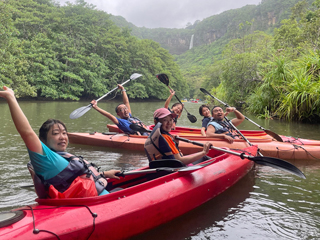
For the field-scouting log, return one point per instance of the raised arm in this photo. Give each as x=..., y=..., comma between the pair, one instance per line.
x=21, y=122
x=239, y=117
x=103, y=112
x=172, y=93
x=125, y=98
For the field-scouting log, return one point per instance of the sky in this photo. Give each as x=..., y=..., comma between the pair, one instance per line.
x=165, y=13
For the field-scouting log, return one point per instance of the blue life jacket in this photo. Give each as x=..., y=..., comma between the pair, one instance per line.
x=222, y=127
x=125, y=126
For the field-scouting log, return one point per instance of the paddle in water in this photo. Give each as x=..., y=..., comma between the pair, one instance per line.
x=82, y=110
x=272, y=134
x=267, y=161
x=164, y=79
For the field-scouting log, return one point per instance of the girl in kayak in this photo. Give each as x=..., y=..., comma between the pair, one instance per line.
x=176, y=108
x=161, y=144
x=204, y=111
x=63, y=175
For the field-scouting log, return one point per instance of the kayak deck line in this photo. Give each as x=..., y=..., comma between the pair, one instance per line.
x=268, y=147
x=246, y=133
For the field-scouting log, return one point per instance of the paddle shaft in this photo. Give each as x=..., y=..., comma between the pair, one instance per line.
x=274, y=135
x=227, y=105
x=268, y=161
x=212, y=147
x=113, y=90
x=179, y=100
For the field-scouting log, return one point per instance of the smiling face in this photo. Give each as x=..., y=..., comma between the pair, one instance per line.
x=217, y=113
x=167, y=123
x=177, y=109
x=57, y=138
x=123, y=111
x=206, y=112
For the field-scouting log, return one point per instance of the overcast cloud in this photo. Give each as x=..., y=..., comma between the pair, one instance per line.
x=165, y=13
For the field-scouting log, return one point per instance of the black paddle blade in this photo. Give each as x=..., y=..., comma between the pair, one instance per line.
x=191, y=118
x=274, y=135
x=279, y=164
x=171, y=163
x=204, y=91
x=163, y=78
x=80, y=111
x=138, y=128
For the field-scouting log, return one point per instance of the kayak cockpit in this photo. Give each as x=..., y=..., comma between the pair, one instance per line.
x=139, y=181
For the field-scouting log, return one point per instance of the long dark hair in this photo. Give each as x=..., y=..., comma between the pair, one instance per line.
x=44, y=129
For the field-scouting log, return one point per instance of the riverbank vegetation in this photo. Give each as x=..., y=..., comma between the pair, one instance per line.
x=276, y=76
x=76, y=51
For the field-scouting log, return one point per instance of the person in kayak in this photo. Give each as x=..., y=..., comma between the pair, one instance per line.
x=204, y=110
x=222, y=129
x=123, y=110
x=62, y=174
x=176, y=108
x=162, y=145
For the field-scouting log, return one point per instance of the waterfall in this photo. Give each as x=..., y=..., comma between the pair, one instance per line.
x=191, y=42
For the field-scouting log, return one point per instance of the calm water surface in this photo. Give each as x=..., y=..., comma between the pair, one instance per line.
x=266, y=204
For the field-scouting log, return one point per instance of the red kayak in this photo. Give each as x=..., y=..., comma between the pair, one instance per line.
x=145, y=201
x=185, y=131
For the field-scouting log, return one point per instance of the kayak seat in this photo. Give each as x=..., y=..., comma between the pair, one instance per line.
x=38, y=185
x=172, y=163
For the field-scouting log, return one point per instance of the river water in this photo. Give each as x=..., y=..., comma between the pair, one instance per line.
x=265, y=204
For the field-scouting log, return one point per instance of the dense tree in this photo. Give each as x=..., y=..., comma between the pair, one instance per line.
x=77, y=51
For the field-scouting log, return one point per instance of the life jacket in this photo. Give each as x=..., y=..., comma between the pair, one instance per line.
x=222, y=127
x=156, y=146
x=78, y=179
x=125, y=127
x=135, y=120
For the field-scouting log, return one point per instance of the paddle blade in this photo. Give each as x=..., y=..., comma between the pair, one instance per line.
x=192, y=118
x=138, y=128
x=191, y=168
x=163, y=78
x=205, y=91
x=279, y=164
x=135, y=76
x=274, y=135
x=80, y=111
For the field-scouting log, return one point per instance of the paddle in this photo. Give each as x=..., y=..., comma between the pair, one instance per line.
x=82, y=110
x=155, y=166
x=166, y=169
x=164, y=79
x=272, y=134
x=267, y=161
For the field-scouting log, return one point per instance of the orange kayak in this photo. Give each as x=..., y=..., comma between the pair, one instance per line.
x=267, y=146
x=185, y=131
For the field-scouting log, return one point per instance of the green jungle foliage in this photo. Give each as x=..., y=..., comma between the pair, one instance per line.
x=76, y=51
x=265, y=56
x=276, y=76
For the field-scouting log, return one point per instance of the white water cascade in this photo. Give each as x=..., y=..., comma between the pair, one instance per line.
x=191, y=42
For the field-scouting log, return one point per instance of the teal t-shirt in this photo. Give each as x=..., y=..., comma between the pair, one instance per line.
x=49, y=164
